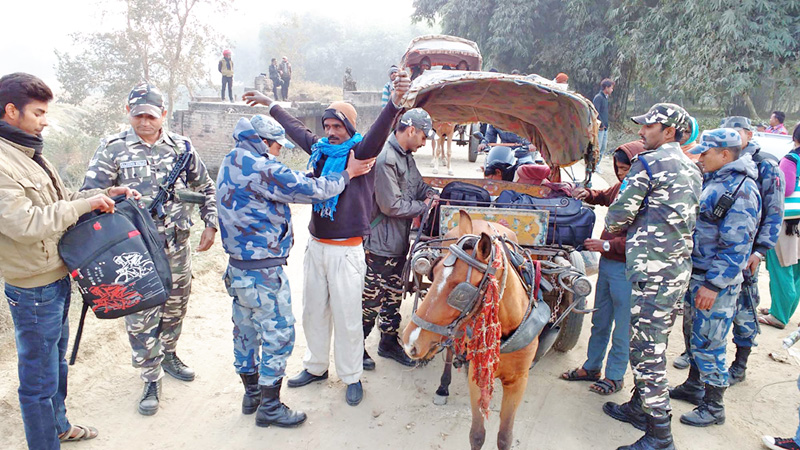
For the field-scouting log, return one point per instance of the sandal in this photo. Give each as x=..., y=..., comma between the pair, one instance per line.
x=770, y=320
x=574, y=375
x=78, y=433
x=606, y=386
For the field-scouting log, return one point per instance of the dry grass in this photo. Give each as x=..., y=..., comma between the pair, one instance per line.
x=302, y=90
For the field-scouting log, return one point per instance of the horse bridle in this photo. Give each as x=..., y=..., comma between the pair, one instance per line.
x=465, y=297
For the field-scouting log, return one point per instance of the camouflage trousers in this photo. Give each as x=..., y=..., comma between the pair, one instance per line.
x=745, y=318
x=652, y=315
x=156, y=330
x=263, y=323
x=383, y=291
x=709, y=332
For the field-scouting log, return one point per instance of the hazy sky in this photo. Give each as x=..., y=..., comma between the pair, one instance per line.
x=28, y=46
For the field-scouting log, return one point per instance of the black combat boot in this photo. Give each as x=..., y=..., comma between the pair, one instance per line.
x=148, y=403
x=273, y=412
x=658, y=435
x=252, y=393
x=736, y=373
x=390, y=347
x=630, y=412
x=175, y=367
x=691, y=390
x=710, y=412
x=369, y=363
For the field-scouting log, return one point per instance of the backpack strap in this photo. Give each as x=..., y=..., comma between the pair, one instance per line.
x=78, y=335
x=646, y=201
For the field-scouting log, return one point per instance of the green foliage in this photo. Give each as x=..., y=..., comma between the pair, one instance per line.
x=162, y=41
x=723, y=53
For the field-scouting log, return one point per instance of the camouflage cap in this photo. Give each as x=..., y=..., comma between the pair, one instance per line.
x=739, y=122
x=717, y=138
x=419, y=119
x=146, y=99
x=668, y=114
x=269, y=128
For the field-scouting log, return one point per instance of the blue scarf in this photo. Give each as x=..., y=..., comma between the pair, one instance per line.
x=336, y=162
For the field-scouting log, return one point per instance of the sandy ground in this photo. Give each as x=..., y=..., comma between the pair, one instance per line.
x=397, y=411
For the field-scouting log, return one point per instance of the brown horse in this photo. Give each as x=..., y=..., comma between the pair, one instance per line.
x=444, y=131
x=437, y=309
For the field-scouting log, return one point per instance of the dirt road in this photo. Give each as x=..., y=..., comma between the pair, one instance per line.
x=397, y=411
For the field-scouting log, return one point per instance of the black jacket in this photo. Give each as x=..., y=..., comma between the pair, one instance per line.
x=352, y=216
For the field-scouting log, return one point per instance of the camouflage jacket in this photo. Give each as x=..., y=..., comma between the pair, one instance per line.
x=125, y=160
x=770, y=186
x=254, y=191
x=657, y=205
x=722, y=246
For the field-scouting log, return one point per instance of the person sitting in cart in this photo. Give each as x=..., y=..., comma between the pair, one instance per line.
x=500, y=164
x=522, y=146
x=424, y=64
x=612, y=299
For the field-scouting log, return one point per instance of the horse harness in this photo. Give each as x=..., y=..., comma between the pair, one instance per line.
x=465, y=297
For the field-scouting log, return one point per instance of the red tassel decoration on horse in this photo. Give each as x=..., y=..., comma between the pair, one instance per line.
x=483, y=346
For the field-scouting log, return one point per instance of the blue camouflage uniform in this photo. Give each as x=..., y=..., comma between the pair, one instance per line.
x=770, y=186
x=721, y=249
x=254, y=190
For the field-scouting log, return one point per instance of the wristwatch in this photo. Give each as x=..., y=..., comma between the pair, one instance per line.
x=606, y=246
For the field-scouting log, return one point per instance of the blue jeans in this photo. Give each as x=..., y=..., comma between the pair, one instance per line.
x=602, y=137
x=41, y=330
x=613, y=302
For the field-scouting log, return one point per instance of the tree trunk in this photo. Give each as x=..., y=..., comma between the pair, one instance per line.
x=751, y=108
x=619, y=106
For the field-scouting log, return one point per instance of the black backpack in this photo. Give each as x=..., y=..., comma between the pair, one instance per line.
x=457, y=193
x=570, y=222
x=118, y=262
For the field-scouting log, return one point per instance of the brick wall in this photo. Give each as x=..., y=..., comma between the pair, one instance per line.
x=210, y=125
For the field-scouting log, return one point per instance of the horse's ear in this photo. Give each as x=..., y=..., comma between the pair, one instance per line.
x=484, y=247
x=464, y=222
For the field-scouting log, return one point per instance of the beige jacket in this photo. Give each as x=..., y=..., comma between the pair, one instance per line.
x=32, y=219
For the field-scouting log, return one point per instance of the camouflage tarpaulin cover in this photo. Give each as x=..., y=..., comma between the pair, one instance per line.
x=562, y=124
x=442, y=49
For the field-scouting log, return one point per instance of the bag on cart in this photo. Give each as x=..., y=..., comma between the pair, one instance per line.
x=456, y=193
x=570, y=222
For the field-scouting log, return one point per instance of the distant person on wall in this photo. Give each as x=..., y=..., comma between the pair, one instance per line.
x=285, y=69
x=776, y=123
x=389, y=86
x=275, y=77
x=225, y=67
x=601, y=105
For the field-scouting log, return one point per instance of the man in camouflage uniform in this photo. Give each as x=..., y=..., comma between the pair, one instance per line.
x=657, y=205
x=256, y=230
x=729, y=215
x=770, y=186
x=400, y=195
x=745, y=321
x=141, y=158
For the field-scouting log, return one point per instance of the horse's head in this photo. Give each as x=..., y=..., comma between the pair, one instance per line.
x=456, y=282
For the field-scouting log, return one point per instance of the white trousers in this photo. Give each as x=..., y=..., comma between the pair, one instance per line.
x=332, y=286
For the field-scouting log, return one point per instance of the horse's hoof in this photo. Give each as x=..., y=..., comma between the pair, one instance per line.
x=440, y=400
x=450, y=172
x=435, y=171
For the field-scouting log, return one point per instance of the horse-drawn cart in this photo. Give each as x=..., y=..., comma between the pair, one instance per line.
x=563, y=126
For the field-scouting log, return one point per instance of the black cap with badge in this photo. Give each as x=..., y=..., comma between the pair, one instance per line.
x=419, y=119
x=146, y=99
